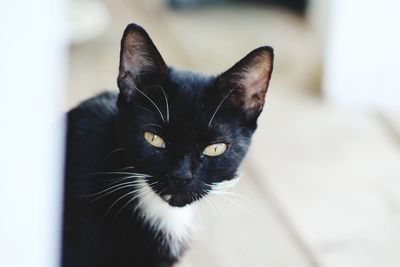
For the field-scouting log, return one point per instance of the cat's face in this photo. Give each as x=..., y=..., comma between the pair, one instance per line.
x=187, y=131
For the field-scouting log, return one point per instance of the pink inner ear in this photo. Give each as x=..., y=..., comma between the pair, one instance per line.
x=139, y=55
x=133, y=56
x=255, y=84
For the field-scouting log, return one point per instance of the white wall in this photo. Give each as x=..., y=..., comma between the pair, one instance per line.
x=363, y=54
x=32, y=66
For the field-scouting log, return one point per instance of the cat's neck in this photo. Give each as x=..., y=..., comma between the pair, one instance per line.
x=173, y=223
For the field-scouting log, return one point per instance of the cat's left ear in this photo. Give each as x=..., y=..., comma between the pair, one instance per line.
x=246, y=83
x=140, y=61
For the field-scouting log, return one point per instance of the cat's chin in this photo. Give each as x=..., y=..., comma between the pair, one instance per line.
x=177, y=200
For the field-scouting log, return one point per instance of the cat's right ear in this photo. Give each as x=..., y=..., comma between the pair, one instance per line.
x=140, y=62
x=245, y=85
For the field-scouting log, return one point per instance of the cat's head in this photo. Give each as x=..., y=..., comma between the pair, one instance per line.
x=189, y=132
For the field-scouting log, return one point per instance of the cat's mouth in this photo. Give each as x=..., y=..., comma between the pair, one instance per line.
x=177, y=200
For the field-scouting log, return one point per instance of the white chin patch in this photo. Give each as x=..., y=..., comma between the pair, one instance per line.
x=174, y=222
x=166, y=198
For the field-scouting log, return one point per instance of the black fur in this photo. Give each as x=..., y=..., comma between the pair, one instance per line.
x=105, y=134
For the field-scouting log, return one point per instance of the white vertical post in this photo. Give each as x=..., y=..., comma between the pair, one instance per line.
x=363, y=54
x=32, y=66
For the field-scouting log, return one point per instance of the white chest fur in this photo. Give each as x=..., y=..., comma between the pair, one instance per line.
x=173, y=222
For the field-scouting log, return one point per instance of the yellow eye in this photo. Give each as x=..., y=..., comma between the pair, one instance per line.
x=154, y=140
x=215, y=149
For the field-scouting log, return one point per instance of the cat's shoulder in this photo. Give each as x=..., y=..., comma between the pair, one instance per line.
x=93, y=117
x=103, y=104
x=100, y=106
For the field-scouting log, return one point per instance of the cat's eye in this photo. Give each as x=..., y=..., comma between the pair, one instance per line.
x=216, y=149
x=154, y=140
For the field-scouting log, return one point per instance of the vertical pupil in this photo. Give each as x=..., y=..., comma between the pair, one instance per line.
x=215, y=148
x=153, y=137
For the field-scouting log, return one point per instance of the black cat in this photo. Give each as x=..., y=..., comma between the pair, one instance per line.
x=136, y=160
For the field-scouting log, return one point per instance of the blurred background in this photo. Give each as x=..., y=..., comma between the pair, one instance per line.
x=321, y=184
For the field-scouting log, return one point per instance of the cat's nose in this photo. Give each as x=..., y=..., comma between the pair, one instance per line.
x=181, y=180
x=181, y=175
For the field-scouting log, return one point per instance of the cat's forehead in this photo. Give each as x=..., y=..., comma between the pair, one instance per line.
x=188, y=83
x=188, y=97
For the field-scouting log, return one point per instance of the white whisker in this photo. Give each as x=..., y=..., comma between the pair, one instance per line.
x=110, y=188
x=166, y=102
x=134, y=179
x=224, y=185
x=152, y=124
x=214, y=202
x=110, y=192
x=208, y=202
x=148, y=110
x=234, y=203
x=127, y=168
x=128, y=173
x=220, y=104
x=142, y=192
x=127, y=194
x=233, y=194
x=159, y=111
x=131, y=176
x=144, y=189
x=112, y=152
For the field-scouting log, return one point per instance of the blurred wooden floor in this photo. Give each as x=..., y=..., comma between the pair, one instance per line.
x=321, y=186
